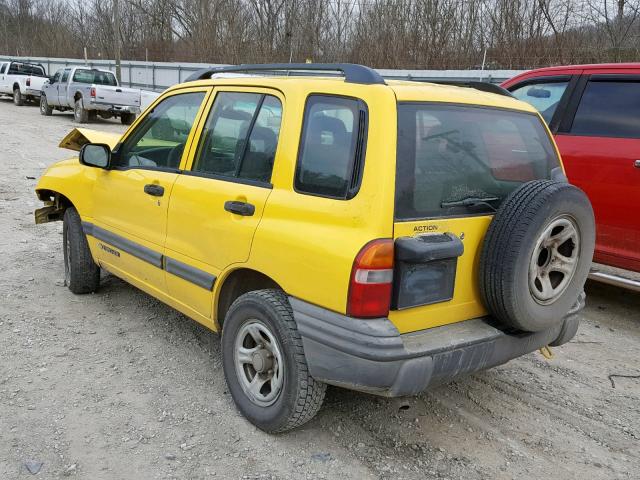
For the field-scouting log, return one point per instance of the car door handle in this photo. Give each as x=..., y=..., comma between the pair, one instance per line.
x=636, y=164
x=239, y=208
x=154, y=189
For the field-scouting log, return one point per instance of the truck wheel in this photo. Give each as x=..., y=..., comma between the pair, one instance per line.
x=81, y=274
x=17, y=97
x=127, y=118
x=536, y=255
x=80, y=115
x=45, y=109
x=264, y=363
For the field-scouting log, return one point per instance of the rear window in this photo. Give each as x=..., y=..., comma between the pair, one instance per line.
x=16, y=68
x=456, y=160
x=96, y=77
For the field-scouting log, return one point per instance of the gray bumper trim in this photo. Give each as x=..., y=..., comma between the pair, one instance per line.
x=372, y=356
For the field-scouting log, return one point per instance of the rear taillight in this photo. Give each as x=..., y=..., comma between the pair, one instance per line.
x=92, y=92
x=371, y=280
x=28, y=82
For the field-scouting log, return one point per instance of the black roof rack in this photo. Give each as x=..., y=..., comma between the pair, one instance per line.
x=352, y=72
x=477, y=85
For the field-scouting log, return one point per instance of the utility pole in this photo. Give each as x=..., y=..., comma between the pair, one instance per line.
x=116, y=39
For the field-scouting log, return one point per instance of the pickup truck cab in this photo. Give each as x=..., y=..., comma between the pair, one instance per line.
x=89, y=92
x=383, y=236
x=22, y=80
x=594, y=113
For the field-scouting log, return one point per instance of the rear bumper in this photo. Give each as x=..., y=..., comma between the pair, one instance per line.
x=33, y=93
x=372, y=356
x=114, y=109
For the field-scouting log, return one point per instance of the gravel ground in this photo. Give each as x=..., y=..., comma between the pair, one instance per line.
x=118, y=386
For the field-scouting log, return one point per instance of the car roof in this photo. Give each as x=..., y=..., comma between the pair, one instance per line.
x=404, y=90
x=593, y=66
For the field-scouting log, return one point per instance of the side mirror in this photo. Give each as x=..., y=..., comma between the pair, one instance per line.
x=95, y=155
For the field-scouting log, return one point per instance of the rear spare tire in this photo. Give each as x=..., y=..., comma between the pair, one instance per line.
x=536, y=255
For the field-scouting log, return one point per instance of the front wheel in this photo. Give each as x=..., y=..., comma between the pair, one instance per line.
x=18, y=100
x=45, y=109
x=81, y=274
x=264, y=363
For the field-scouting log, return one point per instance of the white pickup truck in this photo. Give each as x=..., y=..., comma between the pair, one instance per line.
x=22, y=80
x=89, y=92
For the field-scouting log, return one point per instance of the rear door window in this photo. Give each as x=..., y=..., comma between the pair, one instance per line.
x=544, y=96
x=240, y=137
x=455, y=160
x=331, y=155
x=609, y=109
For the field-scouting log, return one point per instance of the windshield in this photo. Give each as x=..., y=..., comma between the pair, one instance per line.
x=463, y=160
x=97, y=77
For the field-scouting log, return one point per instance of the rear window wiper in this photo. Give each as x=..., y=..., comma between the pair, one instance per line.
x=472, y=202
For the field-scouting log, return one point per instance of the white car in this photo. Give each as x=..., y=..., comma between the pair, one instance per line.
x=22, y=80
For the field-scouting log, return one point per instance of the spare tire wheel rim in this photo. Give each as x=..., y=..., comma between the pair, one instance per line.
x=554, y=260
x=258, y=362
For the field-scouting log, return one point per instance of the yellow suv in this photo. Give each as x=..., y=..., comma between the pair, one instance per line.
x=339, y=229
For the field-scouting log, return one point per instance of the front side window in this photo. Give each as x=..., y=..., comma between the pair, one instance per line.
x=159, y=139
x=463, y=160
x=332, y=147
x=65, y=74
x=545, y=97
x=3, y=67
x=97, y=77
x=56, y=76
x=609, y=109
x=240, y=137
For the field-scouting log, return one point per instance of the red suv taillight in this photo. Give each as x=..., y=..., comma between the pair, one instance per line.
x=92, y=92
x=371, y=280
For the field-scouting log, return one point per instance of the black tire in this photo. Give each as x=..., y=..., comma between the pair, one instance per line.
x=300, y=396
x=127, y=118
x=80, y=115
x=82, y=275
x=18, y=100
x=45, y=109
x=507, y=256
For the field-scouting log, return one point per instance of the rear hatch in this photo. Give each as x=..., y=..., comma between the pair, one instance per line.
x=455, y=165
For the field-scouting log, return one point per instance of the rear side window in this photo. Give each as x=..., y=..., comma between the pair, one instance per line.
x=331, y=155
x=26, y=69
x=455, y=160
x=609, y=109
x=545, y=97
x=240, y=137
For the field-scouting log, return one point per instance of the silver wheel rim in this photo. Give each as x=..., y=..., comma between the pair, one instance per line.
x=258, y=362
x=554, y=260
x=76, y=112
x=43, y=103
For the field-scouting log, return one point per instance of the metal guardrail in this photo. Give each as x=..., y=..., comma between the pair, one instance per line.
x=158, y=76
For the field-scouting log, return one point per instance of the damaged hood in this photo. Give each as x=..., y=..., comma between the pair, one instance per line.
x=78, y=137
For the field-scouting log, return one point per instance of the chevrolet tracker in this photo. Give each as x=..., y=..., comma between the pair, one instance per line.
x=382, y=236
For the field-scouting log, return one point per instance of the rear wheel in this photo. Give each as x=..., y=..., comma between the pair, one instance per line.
x=17, y=97
x=264, y=363
x=45, y=109
x=127, y=118
x=537, y=254
x=81, y=274
x=80, y=115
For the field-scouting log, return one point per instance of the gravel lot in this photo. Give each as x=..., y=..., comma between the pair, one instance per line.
x=118, y=386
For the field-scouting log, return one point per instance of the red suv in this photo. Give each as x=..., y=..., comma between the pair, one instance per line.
x=594, y=113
